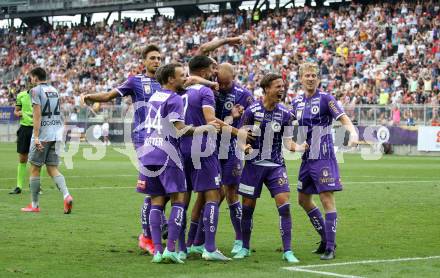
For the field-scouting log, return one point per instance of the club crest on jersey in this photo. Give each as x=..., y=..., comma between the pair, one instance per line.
x=229, y=105
x=276, y=127
x=315, y=109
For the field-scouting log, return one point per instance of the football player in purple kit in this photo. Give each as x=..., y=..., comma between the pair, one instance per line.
x=161, y=158
x=202, y=166
x=319, y=172
x=268, y=120
x=231, y=101
x=140, y=88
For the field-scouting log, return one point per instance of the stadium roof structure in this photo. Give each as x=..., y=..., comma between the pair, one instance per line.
x=43, y=8
x=33, y=12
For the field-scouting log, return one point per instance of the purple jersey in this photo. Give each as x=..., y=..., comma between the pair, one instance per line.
x=161, y=145
x=317, y=112
x=195, y=99
x=140, y=88
x=225, y=101
x=268, y=142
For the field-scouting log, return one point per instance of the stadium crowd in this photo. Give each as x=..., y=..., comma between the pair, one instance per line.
x=386, y=54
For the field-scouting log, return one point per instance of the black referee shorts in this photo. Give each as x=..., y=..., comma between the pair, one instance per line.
x=24, y=135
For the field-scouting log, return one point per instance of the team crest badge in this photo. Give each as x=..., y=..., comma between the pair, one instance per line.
x=276, y=127
x=315, y=109
x=228, y=105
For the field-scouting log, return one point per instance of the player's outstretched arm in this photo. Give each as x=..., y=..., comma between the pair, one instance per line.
x=208, y=47
x=354, y=137
x=99, y=97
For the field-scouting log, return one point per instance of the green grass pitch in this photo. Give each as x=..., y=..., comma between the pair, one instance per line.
x=390, y=208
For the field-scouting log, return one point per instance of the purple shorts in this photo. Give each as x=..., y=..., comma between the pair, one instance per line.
x=253, y=177
x=171, y=180
x=206, y=178
x=316, y=176
x=231, y=169
x=142, y=179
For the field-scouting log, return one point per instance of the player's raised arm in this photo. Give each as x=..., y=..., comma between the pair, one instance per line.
x=208, y=47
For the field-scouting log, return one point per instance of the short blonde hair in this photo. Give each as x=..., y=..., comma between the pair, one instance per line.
x=308, y=66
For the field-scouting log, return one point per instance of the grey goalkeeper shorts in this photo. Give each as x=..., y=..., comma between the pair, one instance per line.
x=48, y=155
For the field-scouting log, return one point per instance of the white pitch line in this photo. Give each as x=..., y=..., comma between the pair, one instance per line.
x=369, y=262
x=305, y=268
x=75, y=177
x=323, y=273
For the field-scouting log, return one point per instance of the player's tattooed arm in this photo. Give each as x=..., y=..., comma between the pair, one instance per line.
x=354, y=137
x=99, y=97
x=192, y=80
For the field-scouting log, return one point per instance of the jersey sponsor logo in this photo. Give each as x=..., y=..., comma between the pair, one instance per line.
x=276, y=126
x=300, y=105
x=316, y=100
x=315, y=109
x=255, y=108
x=259, y=116
x=267, y=116
x=299, y=113
x=159, y=97
x=278, y=115
x=229, y=105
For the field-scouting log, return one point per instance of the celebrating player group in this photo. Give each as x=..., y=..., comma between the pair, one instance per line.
x=196, y=130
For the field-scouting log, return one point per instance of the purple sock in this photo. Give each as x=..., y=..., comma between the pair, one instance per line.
x=210, y=220
x=317, y=222
x=200, y=234
x=246, y=226
x=192, y=232
x=163, y=219
x=331, y=220
x=145, y=217
x=175, y=225
x=155, y=221
x=285, y=226
x=235, y=214
x=182, y=243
